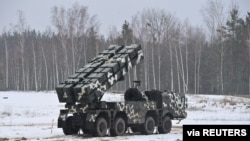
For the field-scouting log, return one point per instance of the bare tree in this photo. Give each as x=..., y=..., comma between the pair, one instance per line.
x=214, y=18
x=177, y=66
x=56, y=65
x=35, y=65
x=21, y=27
x=185, y=70
x=200, y=39
x=181, y=68
x=140, y=32
x=248, y=45
x=6, y=60
x=46, y=69
x=160, y=25
x=152, y=55
x=77, y=18
x=59, y=21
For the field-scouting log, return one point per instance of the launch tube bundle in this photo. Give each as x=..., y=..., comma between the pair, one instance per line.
x=88, y=84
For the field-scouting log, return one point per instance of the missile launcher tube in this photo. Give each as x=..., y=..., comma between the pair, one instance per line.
x=88, y=84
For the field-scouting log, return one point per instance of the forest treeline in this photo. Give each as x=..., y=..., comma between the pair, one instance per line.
x=212, y=59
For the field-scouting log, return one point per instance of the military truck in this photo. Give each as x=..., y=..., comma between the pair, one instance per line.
x=141, y=111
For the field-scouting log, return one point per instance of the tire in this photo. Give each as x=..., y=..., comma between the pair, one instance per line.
x=132, y=94
x=70, y=128
x=166, y=125
x=101, y=127
x=119, y=127
x=149, y=126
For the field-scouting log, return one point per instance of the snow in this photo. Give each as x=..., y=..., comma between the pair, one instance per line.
x=33, y=116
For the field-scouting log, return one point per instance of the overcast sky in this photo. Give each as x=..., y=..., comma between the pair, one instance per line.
x=109, y=12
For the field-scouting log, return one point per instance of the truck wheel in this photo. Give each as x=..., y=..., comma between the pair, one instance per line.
x=101, y=127
x=166, y=125
x=119, y=127
x=149, y=126
x=69, y=128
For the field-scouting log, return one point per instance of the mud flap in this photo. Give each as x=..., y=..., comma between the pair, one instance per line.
x=61, y=122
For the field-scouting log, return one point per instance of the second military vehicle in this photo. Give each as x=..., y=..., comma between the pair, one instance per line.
x=141, y=111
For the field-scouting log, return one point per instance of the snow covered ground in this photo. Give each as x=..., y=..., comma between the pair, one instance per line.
x=33, y=116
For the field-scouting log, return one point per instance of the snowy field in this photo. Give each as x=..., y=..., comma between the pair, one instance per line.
x=33, y=116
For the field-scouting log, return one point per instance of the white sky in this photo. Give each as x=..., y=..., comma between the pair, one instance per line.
x=109, y=12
